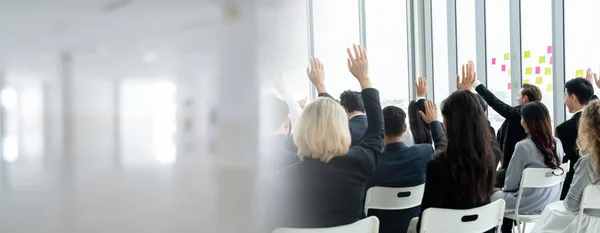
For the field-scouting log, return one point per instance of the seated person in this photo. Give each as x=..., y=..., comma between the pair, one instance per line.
x=461, y=175
x=355, y=108
x=562, y=216
x=540, y=150
x=402, y=166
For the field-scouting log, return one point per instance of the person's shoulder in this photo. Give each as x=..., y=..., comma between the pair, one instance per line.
x=423, y=147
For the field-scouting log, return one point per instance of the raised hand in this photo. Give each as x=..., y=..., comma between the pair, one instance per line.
x=276, y=79
x=302, y=102
x=468, y=77
x=358, y=64
x=592, y=77
x=430, y=114
x=316, y=74
x=421, y=84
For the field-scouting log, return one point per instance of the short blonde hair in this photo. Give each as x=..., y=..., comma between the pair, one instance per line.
x=322, y=131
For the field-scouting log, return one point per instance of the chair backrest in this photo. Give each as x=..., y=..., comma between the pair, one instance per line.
x=478, y=219
x=367, y=225
x=589, y=200
x=543, y=177
x=385, y=198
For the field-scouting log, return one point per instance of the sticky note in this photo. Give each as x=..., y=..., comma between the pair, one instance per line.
x=548, y=71
x=528, y=70
x=493, y=61
x=508, y=86
x=507, y=56
x=503, y=68
x=525, y=80
x=527, y=54
x=508, y=72
x=542, y=59
x=549, y=87
x=549, y=49
x=538, y=70
x=579, y=74
x=550, y=60
x=539, y=80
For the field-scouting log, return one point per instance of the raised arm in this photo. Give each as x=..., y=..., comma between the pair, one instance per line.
x=437, y=131
x=593, y=78
x=316, y=75
x=293, y=106
x=358, y=65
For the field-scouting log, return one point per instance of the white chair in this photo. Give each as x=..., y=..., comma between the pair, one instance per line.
x=589, y=200
x=384, y=198
x=367, y=225
x=478, y=219
x=536, y=178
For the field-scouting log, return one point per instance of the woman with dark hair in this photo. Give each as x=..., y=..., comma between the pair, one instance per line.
x=540, y=150
x=419, y=129
x=461, y=175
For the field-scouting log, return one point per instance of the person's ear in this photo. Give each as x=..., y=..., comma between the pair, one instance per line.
x=525, y=99
x=405, y=128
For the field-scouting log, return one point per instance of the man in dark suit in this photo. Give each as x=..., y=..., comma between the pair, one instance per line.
x=578, y=93
x=355, y=108
x=402, y=166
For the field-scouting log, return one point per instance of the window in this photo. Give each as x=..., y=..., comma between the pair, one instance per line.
x=336, y=27
x=536, y=39
x=465, y=27
x=440, y=51
x=581, y=49
x=498, y=55
x=386, y=44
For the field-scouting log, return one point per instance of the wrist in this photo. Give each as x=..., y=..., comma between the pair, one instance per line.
x=365, y=83
x=321, y=88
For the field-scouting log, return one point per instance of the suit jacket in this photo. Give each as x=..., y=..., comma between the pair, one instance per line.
x=312, y=193
x=511, y=130
x=567, y=133
x=358, y=125
x=403, y=166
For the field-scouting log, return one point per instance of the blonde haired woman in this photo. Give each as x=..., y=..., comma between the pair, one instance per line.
x=327, y=187
x=562, y=216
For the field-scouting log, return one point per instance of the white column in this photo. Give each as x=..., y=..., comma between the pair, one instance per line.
x=4, y=174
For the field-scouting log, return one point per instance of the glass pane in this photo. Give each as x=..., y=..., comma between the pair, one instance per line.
x=498, y=47
x=536, y=39
x=465, y=26
x=335, y=29
x=581, y=44
x=440, y=51
x=386, y=44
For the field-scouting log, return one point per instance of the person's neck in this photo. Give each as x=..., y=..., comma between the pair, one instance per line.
x=577, y=109
x=351, y=114
x=389, y=140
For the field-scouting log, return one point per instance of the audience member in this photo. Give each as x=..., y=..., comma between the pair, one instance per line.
x=419, y=129
x=511, y=130
x=327, y=187
x=539, y=150
x=461, y=176
x=403, y=166
x=562, y=216
x=578, y=93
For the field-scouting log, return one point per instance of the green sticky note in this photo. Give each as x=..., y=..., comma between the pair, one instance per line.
x=529, y=70
x=525, y=80
x=527, y=54
x=548, y=71
x=539, y=80
x=549, y=88
x=579, y=74
x=508, y=72
x=542, y=59
x=507, y=56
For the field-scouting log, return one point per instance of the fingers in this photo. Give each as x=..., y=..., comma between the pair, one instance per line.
x=357, y=52
x=364, y=53
x=422, y=114
x=349, y=63
x=457, y=81
x=308, y=70
x=350, y=55
x=319, y=64
x=463, y=71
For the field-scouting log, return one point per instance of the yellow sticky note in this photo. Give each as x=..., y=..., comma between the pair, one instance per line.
x=548, y=71
x=507, y=56
x=542, y=59
x=539, y=80
x=508, y=72
x=525, y=80
x=549, y=88
x=527, y=54
x=579, y=74
x=529, y=70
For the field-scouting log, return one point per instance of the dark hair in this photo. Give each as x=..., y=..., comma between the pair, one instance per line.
x=395, y=121
x=482, y=102
x=537, y=118
x=352, y=101
x=469, y=152
x=532, y=92
x=418, y=127
x=581, y=88
x=277, y=109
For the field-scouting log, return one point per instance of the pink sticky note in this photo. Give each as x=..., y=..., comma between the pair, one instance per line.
x=493, y=61
x=508, y=86
x=503, y=67
x=550, y=49
x=550, y=60
x=538, y=70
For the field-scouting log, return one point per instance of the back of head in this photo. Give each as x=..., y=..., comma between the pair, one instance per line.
x=418, y=127
x=395, y=121
x=352, y=101
x=482, y=102
x=532, y=92
x=539, y=128
x=469, y=152
x=582, y=88
x=275, y=113
x=588, y=140
x=322, y=131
